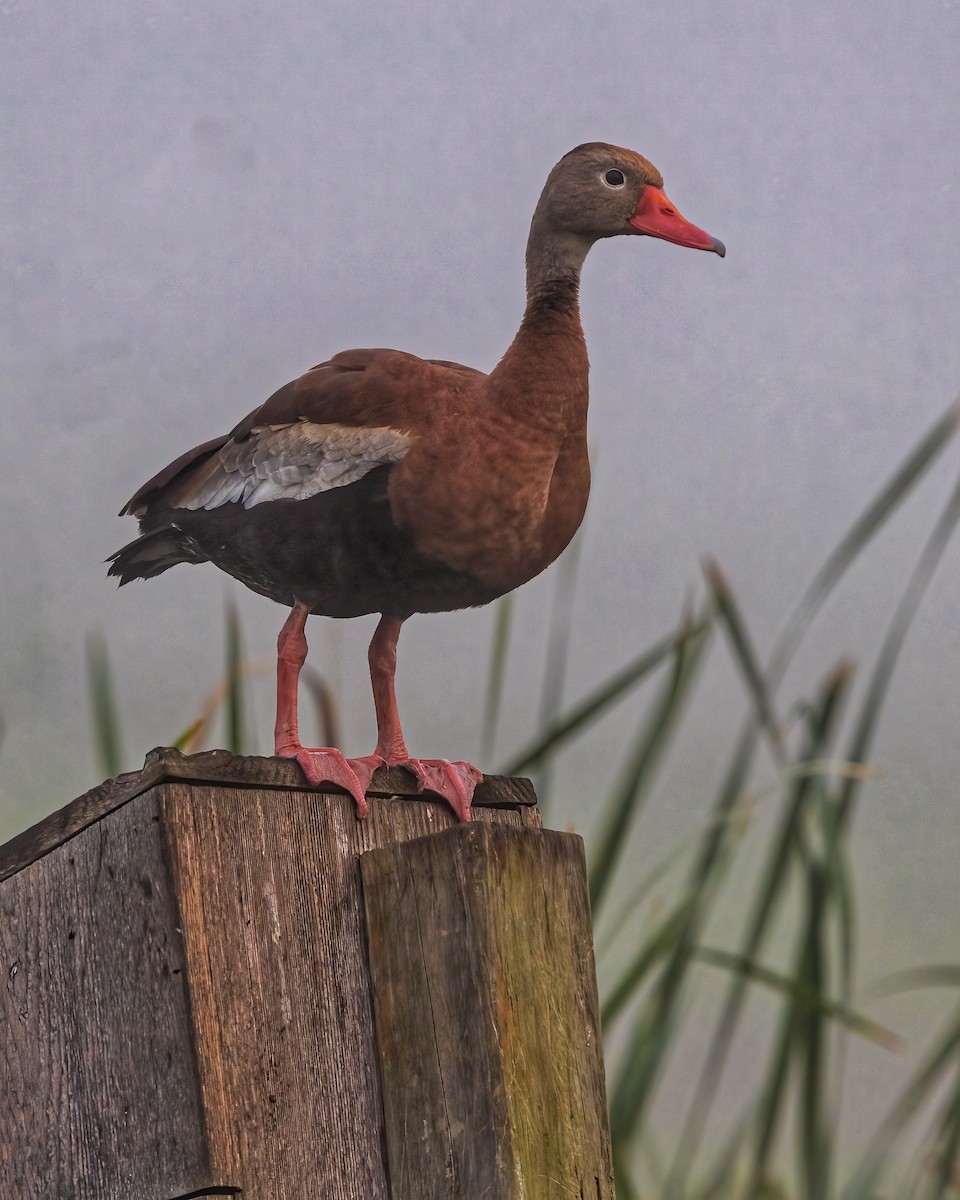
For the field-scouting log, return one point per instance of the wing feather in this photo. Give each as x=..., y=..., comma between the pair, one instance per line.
x=289, y=462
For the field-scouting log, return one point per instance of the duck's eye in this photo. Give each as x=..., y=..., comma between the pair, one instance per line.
x=614, y=178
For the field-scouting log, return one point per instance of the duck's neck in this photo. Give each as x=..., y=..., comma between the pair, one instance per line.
x=543, y=375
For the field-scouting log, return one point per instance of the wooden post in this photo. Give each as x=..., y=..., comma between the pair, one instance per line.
x=486, y=1015
x=186, y=1008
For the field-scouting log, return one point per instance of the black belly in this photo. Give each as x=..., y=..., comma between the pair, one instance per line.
x=339, y=552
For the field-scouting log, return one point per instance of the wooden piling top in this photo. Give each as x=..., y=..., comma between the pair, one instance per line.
x=223, y=769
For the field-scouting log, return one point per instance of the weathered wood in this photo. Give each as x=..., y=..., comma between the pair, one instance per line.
x=487, y=1017
x=227, y=770
x=98, y=1080
x=273, y=884
x=186, y=1008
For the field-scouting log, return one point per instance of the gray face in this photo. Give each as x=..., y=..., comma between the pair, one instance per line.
x=594, y=190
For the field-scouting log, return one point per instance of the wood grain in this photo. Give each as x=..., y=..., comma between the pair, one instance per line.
x=273, y=921
x=99, y=1091
x=487, y=1017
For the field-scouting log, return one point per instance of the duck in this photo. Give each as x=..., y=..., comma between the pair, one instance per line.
x=382, y=483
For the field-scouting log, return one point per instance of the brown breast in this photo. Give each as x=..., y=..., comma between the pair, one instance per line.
x=496, y=483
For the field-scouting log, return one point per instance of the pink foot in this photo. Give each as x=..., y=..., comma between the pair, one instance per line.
x=454, y=781
x=327, y=765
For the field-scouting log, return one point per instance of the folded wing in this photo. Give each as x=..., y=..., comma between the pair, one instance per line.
x=287, y=462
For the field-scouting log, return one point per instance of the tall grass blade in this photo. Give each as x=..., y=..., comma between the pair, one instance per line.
x=942, y=1059
x=801, y=994
x=840, y=875
x=721, y=1179
x=857, y=537
x=745, y=657
x=193, y=736
x=772, y=890
x=771, y=1107
x=860, y=534
x=106, y=725
x=652, y=951
x=934, y=975
x=919, y=581
x=558, y=648
x=189, y=738
x=647, y=752
x=631, y=1087
x=945, y=1157
x=496, y=675
x=621, y=1177
x=814, y=1143
x=652, y=1033
x=847, y=550
x=882, y=675
x=839, y=878
x=655, y=1024
x=648, y=882
x=593, y=707
x=235, y=699
x=802, y=1041
x=815, y=1151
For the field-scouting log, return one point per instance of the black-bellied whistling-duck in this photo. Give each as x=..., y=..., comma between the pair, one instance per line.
x=379, y=482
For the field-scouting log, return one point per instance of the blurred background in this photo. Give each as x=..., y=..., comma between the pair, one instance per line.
x=199, y=201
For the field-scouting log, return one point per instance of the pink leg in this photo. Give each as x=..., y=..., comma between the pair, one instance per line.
x=320, y=766
x=454, y=781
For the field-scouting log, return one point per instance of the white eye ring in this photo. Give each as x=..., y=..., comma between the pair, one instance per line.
x=617, y=181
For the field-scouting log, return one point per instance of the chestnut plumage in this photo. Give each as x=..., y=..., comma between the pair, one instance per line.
x=382, y=482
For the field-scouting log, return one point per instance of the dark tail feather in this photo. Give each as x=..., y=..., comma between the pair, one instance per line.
x=152, y=553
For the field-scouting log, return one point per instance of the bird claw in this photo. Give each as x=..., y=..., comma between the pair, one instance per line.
x=455, y=782
x=328, y=765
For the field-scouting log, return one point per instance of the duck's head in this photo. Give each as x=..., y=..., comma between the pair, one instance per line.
x=599, y=191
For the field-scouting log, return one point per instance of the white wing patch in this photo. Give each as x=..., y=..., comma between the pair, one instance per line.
x=293, y=462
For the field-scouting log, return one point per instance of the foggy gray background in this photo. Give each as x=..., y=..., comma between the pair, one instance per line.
x=201, y=200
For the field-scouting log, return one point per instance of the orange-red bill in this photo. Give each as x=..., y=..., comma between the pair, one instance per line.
x=657, y=217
